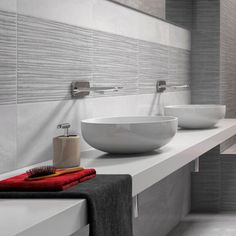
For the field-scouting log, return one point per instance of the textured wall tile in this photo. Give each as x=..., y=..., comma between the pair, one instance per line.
x=205, y=195
x=8, y=137
x=205, y=54
x=153, y=65
x=214, y=53
x=115, y=62
x=228, y=56
x=7, y=57
x=205, y=87
x=207, y=13
x=179, y=70
x=179, y=12
x=205, y=82
x=206, y=184
x=228, y=200
x=50, y=56
x=214, y=187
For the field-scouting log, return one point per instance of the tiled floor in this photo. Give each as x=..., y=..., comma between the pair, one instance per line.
x=223, y=224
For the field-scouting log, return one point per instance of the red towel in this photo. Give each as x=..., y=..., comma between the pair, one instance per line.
x=18, y=183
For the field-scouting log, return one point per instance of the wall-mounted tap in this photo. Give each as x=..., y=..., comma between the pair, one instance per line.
x=161, y=86
x=81, y=89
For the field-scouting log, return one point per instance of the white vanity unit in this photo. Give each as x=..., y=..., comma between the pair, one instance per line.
x=64, y=217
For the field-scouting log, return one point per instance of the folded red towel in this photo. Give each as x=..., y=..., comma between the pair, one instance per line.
x=18, y=183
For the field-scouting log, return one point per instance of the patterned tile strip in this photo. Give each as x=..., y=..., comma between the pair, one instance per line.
x=51, y=55
x=7, y=58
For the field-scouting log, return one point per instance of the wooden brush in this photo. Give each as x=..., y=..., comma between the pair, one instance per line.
x=44, y=172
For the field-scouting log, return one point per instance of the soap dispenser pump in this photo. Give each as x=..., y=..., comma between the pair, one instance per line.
x=66, y=149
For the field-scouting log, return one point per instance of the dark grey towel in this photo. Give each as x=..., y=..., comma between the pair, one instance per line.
x=109, y=203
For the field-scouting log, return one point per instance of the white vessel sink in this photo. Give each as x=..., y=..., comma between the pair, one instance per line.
x=196, y=116
x=129, y=134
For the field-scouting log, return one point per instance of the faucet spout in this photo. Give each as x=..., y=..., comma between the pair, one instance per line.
x=81, y=89
x=161, y=86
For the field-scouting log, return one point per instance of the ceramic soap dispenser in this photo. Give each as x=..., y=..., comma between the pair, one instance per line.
x=66, y=149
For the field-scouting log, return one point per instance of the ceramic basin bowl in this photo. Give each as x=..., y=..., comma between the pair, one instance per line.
x=124, y=135
x=196, y=116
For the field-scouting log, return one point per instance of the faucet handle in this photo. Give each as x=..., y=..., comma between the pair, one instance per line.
x=160, y=86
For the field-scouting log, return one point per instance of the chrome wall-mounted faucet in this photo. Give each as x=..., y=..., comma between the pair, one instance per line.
x=161, y=86
x=80, y=89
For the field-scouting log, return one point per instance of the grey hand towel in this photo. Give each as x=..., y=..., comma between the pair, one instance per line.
x=109, y=203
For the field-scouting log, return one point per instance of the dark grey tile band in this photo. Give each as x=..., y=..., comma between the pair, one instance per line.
x=179, y=69
x=180, y=12
x=7, y=57
x=205, y=52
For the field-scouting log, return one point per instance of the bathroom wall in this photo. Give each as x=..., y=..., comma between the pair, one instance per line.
x=175, y=11
x=213, y=81
x=205, y=83
x=228, y=56
x=213, y=188
x=47, y=47
x=80, y=40
x=214, y=54
x=180, y=12
x=8, y=98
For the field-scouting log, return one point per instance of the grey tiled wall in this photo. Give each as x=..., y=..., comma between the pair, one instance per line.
x=51, y=55
x=153, y=65
x=7, y=57
x=152, y=7
x=228, y=56
x=179, y=66
x=214, y=187
x=179, y=12
x=228, y=183
x=214, y=81
x=206, y=184
x=214, y=53
x=206, y=52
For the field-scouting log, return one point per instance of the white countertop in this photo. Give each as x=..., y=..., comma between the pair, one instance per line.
x=38, y=217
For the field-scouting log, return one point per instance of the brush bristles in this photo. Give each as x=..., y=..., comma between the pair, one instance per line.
x=41, y=171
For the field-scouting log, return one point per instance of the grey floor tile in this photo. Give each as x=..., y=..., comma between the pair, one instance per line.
x=206, y=225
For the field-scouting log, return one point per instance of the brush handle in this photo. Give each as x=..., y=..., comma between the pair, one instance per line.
x=63, y=172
